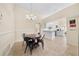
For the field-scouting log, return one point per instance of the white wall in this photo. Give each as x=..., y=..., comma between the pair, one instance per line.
x=7, y=28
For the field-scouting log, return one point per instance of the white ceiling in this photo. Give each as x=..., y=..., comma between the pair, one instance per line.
x=44, y=9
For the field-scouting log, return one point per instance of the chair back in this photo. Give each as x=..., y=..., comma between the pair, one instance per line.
x=23, y=35
x=42, y=37
x=29, y=40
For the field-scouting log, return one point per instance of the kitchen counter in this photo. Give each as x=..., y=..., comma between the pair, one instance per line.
x=49, y=34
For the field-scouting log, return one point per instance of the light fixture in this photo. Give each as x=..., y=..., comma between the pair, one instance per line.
x=31, y=16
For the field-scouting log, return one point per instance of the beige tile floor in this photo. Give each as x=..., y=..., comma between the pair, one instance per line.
x=55, y=47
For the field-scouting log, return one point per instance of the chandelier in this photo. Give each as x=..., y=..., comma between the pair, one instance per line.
x=31, y=16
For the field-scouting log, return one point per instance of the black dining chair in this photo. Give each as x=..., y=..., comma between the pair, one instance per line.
x=29, y=44
x=41, y=40
x=23, y=39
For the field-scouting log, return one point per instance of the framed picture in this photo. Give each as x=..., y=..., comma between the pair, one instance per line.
x=72, y=23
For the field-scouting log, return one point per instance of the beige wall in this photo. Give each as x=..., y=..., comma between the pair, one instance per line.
x=6, y=28
x=72, y=33
x=12, y=25
x=72, y=36
x=78, y=36
x=66, y=12
x=23, y=25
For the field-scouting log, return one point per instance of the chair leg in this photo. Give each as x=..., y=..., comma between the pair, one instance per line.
x=23, y=44
x=30, y=51
x=31, y=47
x=42, y=44
x=25, y=49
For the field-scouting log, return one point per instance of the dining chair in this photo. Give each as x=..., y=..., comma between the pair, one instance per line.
x=41, y=40
x=29, y=44
x=23, y=39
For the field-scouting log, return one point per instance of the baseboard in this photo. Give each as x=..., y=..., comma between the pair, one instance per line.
x=8, y=49
x=5, y=33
